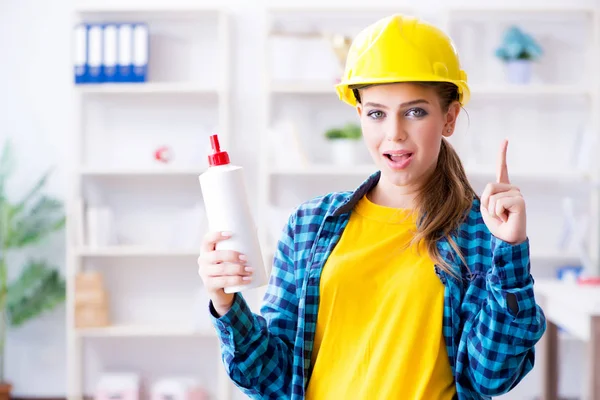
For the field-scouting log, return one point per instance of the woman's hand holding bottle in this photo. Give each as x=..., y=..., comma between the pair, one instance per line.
x=220, y=269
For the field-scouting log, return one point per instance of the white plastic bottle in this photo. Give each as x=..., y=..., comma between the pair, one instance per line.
x=226, y=201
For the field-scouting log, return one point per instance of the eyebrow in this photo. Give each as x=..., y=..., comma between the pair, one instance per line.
x=407, y=104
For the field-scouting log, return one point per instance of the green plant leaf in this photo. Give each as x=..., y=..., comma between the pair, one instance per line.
x=7, y=164
x=334, y=133
x=353, y=131
x=38, y=289
x=31, y=226
x=34, y=191
x=348, y=131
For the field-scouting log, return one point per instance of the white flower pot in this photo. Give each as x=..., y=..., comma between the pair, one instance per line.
x=344, y=151
x=519, y=71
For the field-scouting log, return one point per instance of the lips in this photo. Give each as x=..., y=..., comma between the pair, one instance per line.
x=398, y=159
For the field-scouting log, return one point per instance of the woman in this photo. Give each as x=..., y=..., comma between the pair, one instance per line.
x=411, y=286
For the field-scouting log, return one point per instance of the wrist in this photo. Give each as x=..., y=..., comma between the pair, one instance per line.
x=518, y=241
x=513, y=242
x=222, y=307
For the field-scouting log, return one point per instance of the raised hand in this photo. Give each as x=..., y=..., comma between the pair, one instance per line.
x=503, y=206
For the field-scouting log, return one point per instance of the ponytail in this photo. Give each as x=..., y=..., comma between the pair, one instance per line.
x=443, y=204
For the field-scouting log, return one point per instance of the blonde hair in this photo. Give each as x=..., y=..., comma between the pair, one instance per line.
x=445, y=200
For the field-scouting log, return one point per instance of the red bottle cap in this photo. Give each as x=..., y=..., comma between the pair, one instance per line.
x=218, y=157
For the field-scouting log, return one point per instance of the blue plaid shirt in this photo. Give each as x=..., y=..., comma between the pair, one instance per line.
x=490, y=347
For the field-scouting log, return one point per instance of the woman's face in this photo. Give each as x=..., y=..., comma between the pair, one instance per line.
x=403, y=125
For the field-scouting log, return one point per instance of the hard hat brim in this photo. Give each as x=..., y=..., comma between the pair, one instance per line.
x=345, y=93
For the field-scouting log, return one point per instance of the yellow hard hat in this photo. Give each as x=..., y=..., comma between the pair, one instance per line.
x=401, y=48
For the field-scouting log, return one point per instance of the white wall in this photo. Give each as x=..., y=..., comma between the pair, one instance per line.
x=35, y=114
x=35, y=111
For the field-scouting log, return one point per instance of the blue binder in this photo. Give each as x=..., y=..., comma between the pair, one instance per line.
x=109, y=53
x=140, y=52
x=95, y=53
x=80, y=54
x=125, y=53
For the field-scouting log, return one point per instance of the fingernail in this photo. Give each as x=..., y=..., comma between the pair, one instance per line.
x=249, y=269
x=246, y=278
x=226, y=234
x=243, y=257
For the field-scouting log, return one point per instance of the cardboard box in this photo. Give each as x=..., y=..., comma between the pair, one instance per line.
x=91, y=317
x=89, y=280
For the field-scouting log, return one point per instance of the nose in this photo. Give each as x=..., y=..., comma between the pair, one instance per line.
x=396, y=131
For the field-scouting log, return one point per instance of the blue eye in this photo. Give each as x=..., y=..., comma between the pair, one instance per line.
x=376, y=114
x=416, y=113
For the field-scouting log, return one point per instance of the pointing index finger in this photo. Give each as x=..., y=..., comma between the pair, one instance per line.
x=502, y=172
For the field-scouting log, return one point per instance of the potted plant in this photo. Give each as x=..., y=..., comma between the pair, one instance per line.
x=518, y=51
x=23, y=223
x=343, y=141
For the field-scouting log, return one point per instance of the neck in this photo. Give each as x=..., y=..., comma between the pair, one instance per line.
x=387, y=194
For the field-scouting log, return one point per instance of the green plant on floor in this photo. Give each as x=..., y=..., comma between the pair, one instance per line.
x=518, y=45
x=349, y=131
x=26, y=222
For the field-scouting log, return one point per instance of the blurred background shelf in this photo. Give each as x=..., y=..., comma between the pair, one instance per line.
x=137, y=210
x=182, y=9
x=554, y=255
x=531, y=90
x=118, y=173
x=522, y=9
x=303, y=88
x=475, y=173
x=325, y=170
x=325, y=88
x=144, y=331
x=137, y=251
x=148, y=88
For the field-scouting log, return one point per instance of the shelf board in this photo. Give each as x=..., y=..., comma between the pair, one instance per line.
x=184, y=7
x=147, y=88
x=530, y=90
x=473, y=173
x=326, y=88
x=572, y=177
x=136, y=172
x=145, y=331
x=303, y=88
x=326, y=170
x=340, y=10
x=136, y=251
x=552, y=255
x=545, y=9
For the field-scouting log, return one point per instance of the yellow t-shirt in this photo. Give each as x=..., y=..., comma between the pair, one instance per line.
x=379, y=327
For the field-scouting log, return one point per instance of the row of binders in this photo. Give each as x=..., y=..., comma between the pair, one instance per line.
x=111, y=53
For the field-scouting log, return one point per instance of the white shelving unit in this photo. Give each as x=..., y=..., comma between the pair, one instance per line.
x=547, y=178
x=117, y=128
x=540, y=168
